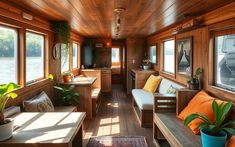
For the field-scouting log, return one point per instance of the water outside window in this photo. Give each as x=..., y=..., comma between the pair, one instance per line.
x=169, y=53
x=225, y=61
x=64, y=58
x=34, y=57
x=8, y=55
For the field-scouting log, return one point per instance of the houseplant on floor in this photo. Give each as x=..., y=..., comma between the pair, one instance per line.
x=214, y=134
x=6, y=125
x=193, y=83
x=67, y=96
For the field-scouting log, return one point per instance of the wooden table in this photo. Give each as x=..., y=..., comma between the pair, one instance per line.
x=83, y=85
x=54, y=129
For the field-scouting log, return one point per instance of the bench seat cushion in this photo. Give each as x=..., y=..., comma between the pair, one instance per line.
x=65, y=109
x=95, y=93
x=143, y=99
x=166, y=84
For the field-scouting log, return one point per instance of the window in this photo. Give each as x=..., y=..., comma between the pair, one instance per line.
x=169, y=56
x=64, y=58
x=225, y=61
x=75, y=55
x=34, y=57
x=115, y=55
x=153, y=54
x=8, y=55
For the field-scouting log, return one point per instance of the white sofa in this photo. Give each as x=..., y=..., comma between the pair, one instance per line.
x=143, y=101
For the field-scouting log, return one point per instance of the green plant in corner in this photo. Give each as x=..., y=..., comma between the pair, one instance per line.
x=5, y=94
x=194, y=81
x=67, y=96
x=214, y=128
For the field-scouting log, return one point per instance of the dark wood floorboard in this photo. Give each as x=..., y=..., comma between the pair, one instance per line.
x=116, y=118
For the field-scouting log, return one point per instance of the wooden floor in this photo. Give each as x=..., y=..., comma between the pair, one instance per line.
x=116, y=118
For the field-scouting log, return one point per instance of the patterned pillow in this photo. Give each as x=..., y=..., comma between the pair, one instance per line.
x=171, y=90
x=39, y=103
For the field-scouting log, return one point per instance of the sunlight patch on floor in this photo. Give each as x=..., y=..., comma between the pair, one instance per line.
x=109, y=126
x=115, y=105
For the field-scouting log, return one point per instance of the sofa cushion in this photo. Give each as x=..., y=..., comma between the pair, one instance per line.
x=152, y=83
x=165, y=84
x=143, y=99
x=39, y=103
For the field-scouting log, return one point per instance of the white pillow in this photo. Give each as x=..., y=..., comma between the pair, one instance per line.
x=39, y=103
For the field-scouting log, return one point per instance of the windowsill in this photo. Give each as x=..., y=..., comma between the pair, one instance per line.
x=36, y=82
x=222, y=89
x=168, y=73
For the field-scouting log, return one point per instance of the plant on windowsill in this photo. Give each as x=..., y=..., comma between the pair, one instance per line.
x=6, y=125
x=67, y=96
x=67, y=76
x=146, y=64
x=193, y=83
x=214, y=133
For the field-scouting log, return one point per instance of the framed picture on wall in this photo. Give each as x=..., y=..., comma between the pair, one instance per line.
x=184, y=56
x=153, y=53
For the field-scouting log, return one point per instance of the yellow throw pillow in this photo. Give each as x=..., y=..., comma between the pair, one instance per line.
x=152, y=83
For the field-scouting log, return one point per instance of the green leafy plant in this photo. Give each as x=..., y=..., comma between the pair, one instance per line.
x=214, y=128
x=5, y=94
x=146, y=62
x=195, y=78
x=67, y=95
x=62, y=30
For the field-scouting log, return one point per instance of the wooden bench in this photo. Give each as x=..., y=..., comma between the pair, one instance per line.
x=143, y=101
x=166, y=126
x=96, y=100
x=96, y=88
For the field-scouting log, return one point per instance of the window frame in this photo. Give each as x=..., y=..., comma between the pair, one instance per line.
x=74, y=68
x=44, y=57
x=149, y=47
x=8, y=26
x=119, y=62
x=212, y=69
x=69, y=60
x=163, y=58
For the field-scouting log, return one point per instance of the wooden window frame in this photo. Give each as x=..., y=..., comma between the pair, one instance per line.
x=166, y=73
x=76, y=68
x=117, y=63
x=44, y=57
x=22, y=28
x=70, y=59
x=212, y=59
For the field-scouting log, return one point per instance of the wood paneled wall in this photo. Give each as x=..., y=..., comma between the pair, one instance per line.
x=135, y=49
x=222, y=18
x=12, y=16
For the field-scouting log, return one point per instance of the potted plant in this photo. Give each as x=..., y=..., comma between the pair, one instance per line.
x=146, y=64
x=67, y=96
x=62, y=31
x=193, y=83
x=6, y=125
x=67, y=77
x=214, y=133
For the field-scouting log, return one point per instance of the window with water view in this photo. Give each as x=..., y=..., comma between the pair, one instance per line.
x=225, y=61
x=75, y=55
x=169, y=53
x=64, y=58
x=8, y=55
x=34, y=57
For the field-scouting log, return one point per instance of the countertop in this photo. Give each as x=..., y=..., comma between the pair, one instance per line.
x=80, y=81
x=143, y=71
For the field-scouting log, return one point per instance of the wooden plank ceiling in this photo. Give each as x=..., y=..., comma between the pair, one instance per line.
x=96, y=18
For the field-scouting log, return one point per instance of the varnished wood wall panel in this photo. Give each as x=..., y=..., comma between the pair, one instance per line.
x=135, y=54
x=222, y=18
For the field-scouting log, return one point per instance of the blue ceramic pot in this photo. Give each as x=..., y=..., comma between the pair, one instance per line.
x=213, y=141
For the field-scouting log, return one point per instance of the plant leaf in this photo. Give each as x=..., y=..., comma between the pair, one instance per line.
x=190, y=118
x=203, y=125
x=12, y=95
x=205, y=118
x=226, y=108
x=215, y=108
x=227, y=124
x=229, y=131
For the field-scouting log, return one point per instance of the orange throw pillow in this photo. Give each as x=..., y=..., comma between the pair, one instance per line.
x=231, y=142
x=201, y=103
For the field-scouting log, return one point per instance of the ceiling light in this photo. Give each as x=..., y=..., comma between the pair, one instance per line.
x=119, y=10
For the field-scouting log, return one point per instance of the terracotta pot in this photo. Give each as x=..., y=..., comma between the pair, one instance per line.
x=66, y=79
